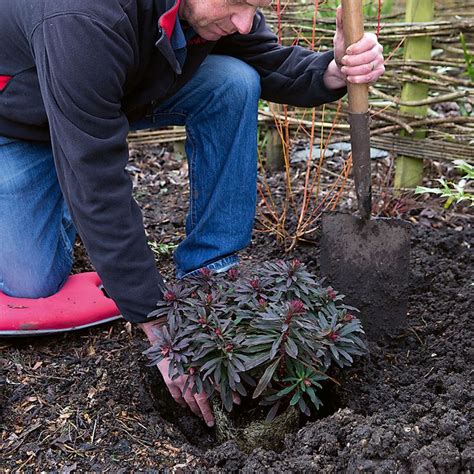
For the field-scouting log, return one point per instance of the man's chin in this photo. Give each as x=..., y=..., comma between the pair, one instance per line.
x=209, y=36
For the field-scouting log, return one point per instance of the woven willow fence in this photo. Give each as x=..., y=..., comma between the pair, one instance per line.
x=449, y=125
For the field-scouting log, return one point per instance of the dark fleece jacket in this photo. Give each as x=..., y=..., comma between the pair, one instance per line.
x=77, y=73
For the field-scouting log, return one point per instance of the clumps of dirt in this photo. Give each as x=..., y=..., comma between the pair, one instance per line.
x=407, y=405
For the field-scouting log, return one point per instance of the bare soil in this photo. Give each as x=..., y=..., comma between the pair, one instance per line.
x=88, y=401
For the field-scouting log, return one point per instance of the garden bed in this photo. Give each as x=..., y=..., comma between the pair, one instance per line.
x=88, y=401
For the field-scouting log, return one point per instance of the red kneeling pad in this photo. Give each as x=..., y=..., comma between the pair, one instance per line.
x=79, y=304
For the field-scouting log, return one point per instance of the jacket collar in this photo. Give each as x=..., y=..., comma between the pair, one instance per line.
x=168, y=18
x=167, y=11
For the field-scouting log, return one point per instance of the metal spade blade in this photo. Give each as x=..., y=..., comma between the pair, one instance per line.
x=368, y=261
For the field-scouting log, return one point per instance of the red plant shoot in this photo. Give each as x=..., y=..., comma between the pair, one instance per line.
x=169, y=296
x=233, y=274
x=331, y=293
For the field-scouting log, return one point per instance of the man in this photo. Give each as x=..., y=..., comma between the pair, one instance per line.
x=76, y=76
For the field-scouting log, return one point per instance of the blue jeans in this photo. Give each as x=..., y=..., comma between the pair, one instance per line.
x=36, y=231
x=218, y=107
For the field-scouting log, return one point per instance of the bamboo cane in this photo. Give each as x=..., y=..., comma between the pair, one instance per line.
x=409, y=170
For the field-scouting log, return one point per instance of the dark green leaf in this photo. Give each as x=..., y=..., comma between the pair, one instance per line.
x=257, y=360
x=241, y=390
x=266, y=378
x=295, y=398
x=291, y=348
x=312, y=395
x=346, y=355
x=210, y=363
x=275, y=347
x=286, y=390
x=273, y=411
x=303, y=407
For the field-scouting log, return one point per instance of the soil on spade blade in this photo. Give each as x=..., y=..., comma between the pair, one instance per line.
x=86, y=400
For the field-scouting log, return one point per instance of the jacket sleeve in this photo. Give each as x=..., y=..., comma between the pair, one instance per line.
x=289, y=74
x=82, y=66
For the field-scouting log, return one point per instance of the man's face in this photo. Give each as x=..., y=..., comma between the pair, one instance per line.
x=212, y=19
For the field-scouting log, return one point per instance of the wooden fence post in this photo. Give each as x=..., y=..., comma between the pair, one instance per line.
x=273, y=149
x=273, y=146
x=409, y=170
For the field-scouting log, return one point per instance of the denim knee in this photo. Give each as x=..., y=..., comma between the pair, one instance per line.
x=35, y=280
x=38, y=271
x=237, y=81
x=36, y=232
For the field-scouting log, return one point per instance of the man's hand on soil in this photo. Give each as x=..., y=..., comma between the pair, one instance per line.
x=198, y=403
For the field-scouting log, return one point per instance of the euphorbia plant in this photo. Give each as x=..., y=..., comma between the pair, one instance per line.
x=272, y=333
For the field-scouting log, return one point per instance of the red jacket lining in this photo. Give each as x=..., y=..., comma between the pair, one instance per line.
x=168, y=19
x=4, y=80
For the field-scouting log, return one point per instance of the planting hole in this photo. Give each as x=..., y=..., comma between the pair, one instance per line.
x=196, y=432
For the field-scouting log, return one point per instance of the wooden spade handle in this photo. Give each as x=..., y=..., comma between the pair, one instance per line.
x=353, y=21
